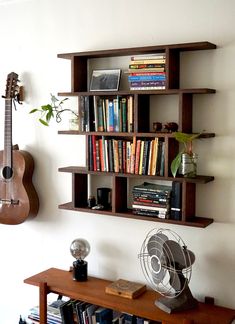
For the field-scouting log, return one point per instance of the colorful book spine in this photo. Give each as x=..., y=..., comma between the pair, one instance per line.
x=154, y=56
x=115, y=156
x=141, y=157
x=150, y=61
x=148, y=88
x=111, y=116
x=116, y=115
x=147, y=83
x=100, y=116
x=95, y=98
x=146, y=78
x=124, y=114
x=132, y=162
x=137, y=156
x=130, y=122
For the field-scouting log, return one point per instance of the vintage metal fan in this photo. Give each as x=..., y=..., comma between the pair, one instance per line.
x=167, y=265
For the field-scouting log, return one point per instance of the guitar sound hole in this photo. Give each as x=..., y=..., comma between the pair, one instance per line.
x=7, y=172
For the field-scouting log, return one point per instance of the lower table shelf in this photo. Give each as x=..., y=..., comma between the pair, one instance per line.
x=93, y=291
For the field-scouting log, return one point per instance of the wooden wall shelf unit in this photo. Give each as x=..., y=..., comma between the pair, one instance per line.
x=93, y=291
x=141, y=129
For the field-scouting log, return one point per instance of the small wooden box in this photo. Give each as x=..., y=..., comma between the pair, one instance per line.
x=125, y=288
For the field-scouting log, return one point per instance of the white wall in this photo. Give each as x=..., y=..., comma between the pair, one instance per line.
x=31, y=35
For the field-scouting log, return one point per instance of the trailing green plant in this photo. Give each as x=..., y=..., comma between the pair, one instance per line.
x=187, y=140
x=52, y=110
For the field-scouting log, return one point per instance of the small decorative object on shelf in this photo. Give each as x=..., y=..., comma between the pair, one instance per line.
x=91, y=201
x=171, y=127
x=185, y=158
x=157, y=126
x=74, y=121
x=80, y=248
x=105, y=80
x=104, y=197
x=189, y=165
x=125, y=288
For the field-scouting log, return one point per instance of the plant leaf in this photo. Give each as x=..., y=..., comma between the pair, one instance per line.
x=175, y=164
x=46, y=107
x=48, y=116
x=43, y=122
x=33, y=111
x=184, y=137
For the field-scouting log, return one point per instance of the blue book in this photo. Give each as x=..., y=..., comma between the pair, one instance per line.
x=111, y=117
x=104, y=315
x=146, y=77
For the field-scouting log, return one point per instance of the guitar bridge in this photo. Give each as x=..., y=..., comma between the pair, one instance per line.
x=9, y=201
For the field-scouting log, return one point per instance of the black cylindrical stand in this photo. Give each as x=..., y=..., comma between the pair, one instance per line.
x=80, y=270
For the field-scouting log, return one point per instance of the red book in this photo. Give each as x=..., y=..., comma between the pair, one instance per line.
x=101, y=155
x=124, y=156
x=94, y=152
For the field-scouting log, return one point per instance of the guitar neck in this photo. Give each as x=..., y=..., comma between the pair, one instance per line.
x=8, y=132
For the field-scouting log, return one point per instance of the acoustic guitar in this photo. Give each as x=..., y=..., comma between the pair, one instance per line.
x=18, y=197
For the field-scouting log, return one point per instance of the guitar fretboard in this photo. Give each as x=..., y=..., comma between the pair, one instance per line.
x=8, y=133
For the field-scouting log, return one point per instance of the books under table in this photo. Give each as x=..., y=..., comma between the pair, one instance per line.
x=80, y=312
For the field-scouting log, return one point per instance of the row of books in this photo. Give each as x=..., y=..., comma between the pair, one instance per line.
x=147, y=72
x=103, y=114
x=80, y=312
x=157, y=200
x=139, y=156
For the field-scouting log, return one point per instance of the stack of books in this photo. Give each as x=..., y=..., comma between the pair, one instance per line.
x=151, y=199
x=53, y=315
x=147, y=72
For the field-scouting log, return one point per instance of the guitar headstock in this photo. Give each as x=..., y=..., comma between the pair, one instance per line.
x=12, y=89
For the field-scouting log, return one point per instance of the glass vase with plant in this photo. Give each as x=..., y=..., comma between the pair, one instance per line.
x=186, y=154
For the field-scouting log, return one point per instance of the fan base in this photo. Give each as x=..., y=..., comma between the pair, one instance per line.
x=180, y=303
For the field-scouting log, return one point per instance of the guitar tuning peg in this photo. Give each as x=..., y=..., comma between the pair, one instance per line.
x=21, y=93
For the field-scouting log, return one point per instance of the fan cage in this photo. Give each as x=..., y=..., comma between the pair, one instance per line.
x=164, y=287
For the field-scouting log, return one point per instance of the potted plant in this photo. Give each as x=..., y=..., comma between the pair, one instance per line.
x=185, y=158
x=52, y=110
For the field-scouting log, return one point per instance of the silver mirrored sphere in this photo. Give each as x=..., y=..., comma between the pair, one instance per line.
x=79, y=248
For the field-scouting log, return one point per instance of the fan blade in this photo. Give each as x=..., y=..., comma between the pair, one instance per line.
x=157, y=278
x=155, y=244
x=178, y=256
x=177, y=279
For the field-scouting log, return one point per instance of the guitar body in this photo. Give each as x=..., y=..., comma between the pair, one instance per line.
x=19, y=199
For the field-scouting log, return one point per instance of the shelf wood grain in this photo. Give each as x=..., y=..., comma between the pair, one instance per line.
x=93, y=291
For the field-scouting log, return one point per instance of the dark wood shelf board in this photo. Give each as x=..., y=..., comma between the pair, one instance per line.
x=84, y=170
x=201, y=222
x=141, y=50
x=122, y=134
x=139, y=92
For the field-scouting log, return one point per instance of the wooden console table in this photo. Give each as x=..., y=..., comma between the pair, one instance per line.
x=93, y=291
